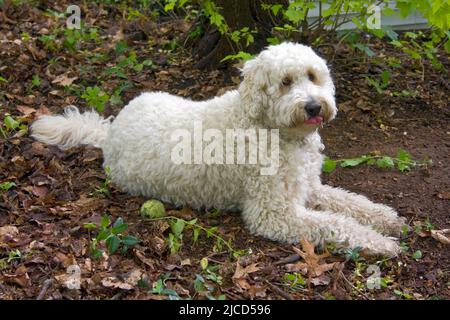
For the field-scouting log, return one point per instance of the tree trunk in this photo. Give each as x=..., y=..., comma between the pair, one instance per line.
x=213, y=47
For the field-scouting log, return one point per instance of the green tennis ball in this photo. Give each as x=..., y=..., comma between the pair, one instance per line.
x=152, y=209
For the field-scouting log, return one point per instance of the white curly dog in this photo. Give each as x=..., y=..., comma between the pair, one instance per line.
x=286, y=87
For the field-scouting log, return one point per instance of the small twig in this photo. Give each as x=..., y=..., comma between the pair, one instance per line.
x=288, y=259
x=351, y=284
x=233, y=295
x=215, y=261
x=45, y=287
x=280, y=292
x=118, y=296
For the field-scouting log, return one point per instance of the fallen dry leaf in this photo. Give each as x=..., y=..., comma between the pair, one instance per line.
x=312, y=262
x=42, y=111
x=322, y=280
x=25, y=110
x=444, y=195
x=242, y=272
x=20, y=277
x=257, y=291
x=8, y=233
x=64, y=80
x=130, y=281
x=439, y=235
x=147, y=261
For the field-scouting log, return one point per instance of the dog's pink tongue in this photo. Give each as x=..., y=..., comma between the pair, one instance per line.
x=314, y=120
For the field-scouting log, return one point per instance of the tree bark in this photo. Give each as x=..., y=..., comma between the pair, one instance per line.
x=213, y=47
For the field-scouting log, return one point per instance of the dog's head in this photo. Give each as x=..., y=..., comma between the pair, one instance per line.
x=288, y=86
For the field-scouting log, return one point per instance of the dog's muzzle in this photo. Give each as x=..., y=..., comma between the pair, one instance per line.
x=313, y=110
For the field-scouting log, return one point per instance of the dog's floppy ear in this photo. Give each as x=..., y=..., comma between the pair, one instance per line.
x=252, y=88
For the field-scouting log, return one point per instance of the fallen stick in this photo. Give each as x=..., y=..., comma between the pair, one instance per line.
x=282, y=293
x=45, y=287
x=288, y=259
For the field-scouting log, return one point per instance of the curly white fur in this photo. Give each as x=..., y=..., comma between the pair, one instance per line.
x=288, y=206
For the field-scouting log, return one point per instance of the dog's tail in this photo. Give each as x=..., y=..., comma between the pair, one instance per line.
x=71, y=129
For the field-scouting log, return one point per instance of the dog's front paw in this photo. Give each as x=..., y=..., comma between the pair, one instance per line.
x=388, y=222
x=397, y=226
x=386, y=247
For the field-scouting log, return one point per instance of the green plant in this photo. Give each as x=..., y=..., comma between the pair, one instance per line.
x=353, y=254
x=178, y=226
x=115, y=98
x=49, y=42
x=241, y=55
x=111, y=235
x=127, y=63
x=95, y=97
x=202, y=287
x=13, y=125
x=160, y=288
x=404, y=246
x=417, y=255
x=36, y=81
x=403, y=295
x=105, y=186
x=420, y=227
x=74, y=37
x=12, y=255
x=294, y=280
x=210, y=271
x=5, y=186
x=293, y=22
x=25, y=36
x=405, y=93
x=382, y=84
x=403, y=162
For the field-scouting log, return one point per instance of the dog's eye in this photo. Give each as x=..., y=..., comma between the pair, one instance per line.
x=286, y=82
x=311, y=76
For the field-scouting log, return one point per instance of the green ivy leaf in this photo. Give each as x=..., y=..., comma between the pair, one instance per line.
x=353, y=162
x=403, y=155
x=90, y=225
x=210, y=231
x=96, y=253
x=112, y=243
x=417, y=255
x=385, y=162
x=102, y=235
x=192, y=222
x=10, y=123
x=5, y=186
x=119, y=228
x=105, y=221
x=241, y=55
x=328, y=165
x=196, y=235
x=130, y=241
x=118, y=222
x=204, y=263
x=178, y=227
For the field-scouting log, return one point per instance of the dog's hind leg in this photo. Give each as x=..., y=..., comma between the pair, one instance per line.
x=381, y=217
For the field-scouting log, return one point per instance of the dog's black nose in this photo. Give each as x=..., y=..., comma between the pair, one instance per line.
x=313, y=108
